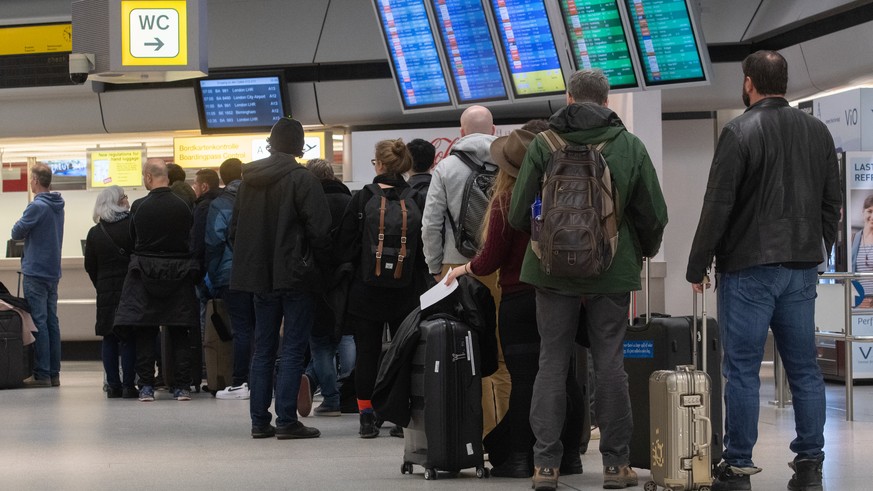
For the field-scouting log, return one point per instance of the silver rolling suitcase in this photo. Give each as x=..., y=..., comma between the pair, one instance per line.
x=680, y=426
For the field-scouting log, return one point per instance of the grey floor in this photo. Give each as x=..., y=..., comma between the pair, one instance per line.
x=73, y=438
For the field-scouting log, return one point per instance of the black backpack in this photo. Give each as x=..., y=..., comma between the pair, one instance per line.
x=391, y=236
x=474, y=204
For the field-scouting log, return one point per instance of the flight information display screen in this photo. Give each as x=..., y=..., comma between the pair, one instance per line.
x=413, y=53
x=240, y=104
x=469, y=50
x=598, y=40
x=528, y=47
x=665, y=41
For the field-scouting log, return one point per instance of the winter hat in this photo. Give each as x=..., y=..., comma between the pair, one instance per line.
x=287, y=137
x=508, y=151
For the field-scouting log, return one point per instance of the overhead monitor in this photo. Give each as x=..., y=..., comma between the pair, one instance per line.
x=528, y=47
x=415, y=61
x=115, y=167
x=598, y=40
x=668, y=42
x=241, y=103
x=469, y=51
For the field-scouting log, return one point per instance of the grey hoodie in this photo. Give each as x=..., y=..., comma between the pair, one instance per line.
x=446, y=192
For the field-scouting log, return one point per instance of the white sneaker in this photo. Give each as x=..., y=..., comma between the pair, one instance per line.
x=239, y=392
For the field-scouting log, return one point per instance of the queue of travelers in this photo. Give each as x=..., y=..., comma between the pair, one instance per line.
x=303, y=264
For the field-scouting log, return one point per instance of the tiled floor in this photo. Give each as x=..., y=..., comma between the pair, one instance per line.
x=73, y=438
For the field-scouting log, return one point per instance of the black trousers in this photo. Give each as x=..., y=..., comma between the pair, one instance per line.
x=368, y=348
x=145, y=355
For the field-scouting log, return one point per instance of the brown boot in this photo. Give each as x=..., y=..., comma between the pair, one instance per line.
x=545, y=478
x=619, y=477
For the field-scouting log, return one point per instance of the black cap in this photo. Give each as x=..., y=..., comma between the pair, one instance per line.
x=287, y=137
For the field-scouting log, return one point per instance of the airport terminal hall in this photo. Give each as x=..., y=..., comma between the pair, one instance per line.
x=436, y=244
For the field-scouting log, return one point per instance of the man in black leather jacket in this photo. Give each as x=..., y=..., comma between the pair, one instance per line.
x=771, y=204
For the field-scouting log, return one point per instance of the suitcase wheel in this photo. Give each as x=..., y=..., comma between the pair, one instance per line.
x=704, y=488
x=651, y=486
x=430, y=474
x=406, y=468
x=482, y=471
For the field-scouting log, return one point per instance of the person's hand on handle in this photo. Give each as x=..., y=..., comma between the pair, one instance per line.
x=455, y=273
x=698, y=287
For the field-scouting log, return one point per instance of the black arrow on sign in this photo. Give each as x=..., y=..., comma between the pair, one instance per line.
x=159, y=44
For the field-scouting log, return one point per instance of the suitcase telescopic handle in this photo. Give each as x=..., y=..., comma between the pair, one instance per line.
x=703, y=327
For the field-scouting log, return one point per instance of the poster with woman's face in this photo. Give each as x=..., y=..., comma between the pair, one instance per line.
x=859, y=224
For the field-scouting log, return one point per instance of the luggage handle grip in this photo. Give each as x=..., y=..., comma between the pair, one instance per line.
x=699, y=447
x=703, y=327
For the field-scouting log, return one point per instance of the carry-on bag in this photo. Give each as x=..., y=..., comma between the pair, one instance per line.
x=658, y=342
x=218, y=347
x=445, y=429
x=12, y=352
x=681, y=429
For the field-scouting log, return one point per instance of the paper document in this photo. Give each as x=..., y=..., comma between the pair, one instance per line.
x=437, y=293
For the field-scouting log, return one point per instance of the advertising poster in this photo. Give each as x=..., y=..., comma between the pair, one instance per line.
x=115, y=167
x=859, y=224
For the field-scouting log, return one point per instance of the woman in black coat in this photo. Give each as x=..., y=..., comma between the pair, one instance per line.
x=107, y=254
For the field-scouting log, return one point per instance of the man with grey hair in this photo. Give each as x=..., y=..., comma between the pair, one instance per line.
x=603, y=299
x=42, y=229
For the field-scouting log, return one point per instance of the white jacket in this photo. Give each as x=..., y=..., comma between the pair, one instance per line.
x=447, y=191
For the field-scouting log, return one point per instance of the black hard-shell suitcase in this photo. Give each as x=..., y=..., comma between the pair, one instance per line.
x=13, y=368
x=445, y=430
x=663, y=343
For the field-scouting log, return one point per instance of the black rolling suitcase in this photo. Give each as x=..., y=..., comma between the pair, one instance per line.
x=445, y=430
x=658, y=342
x=13, y=369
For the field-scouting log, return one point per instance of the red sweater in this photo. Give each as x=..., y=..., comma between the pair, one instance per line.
x=503, y=249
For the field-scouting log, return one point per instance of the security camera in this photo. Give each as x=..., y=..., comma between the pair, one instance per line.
x=81, y=64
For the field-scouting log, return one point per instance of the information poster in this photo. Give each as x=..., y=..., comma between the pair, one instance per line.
x=115, y=167
x=529, y=47
x=665, y=41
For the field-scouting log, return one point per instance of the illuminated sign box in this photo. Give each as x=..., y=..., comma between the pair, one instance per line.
x=115, y=167
x=205, y=152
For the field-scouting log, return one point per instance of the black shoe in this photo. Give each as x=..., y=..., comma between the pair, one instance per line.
x=129, y=393
x=368, y=425
x=396, y=431
x=807, y=475
x=115, y=393
x=730, y=478
x=571, y=463
x=519, y=465
x=268, y=431
x=296, y=431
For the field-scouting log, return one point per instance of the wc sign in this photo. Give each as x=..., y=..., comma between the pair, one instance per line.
x=154, y=33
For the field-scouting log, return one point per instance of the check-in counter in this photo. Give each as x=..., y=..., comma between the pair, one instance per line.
x=77, y=299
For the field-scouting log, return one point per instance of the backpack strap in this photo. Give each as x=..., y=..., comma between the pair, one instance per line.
x=472, y=164
x=553, y=140
x=381, y=236
x=402, y=255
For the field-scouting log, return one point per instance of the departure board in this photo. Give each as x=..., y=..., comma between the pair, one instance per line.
x=413, y=53
x=240, y=103
x=528, y=47
x=598, y=40
x=666, y=41
x=469, y=51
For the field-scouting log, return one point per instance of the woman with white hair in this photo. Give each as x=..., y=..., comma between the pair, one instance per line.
x=107, y=254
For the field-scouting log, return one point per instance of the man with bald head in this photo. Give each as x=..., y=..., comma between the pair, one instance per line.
x=159, y=287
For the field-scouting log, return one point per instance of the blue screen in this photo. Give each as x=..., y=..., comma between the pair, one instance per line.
x=414, y=56
x=665, y=41
x=469, y=50
x=529, y=47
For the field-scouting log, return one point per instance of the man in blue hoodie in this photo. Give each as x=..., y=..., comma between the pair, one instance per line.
x=42, y=229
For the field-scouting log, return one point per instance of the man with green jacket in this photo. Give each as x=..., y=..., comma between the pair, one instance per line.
x=603, y=299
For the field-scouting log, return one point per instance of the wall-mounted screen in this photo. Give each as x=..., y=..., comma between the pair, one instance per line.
x=598, y=40
x=241, y=103
x=413, y=53
x=115, y=167
x=668, y=42
x=528, y=47
x=67, y=174
x=469, y=51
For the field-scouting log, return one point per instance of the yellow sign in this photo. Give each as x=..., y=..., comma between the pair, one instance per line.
x=154, y=33
x=200, y=152
x=118, y=167
x=27, y=40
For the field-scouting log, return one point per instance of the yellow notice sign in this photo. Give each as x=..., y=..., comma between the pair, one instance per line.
x=25, y=40
x=201, y=152
x=154, y=33
x=119, y=167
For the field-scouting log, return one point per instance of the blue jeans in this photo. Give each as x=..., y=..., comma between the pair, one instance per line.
x=749, y=302
x=42, y=295
x=112, y=348
x=296, y=308
x=241, y=310
x=322, y=370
